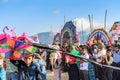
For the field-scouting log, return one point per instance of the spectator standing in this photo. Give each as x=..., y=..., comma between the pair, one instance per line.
x=84, y=65
x=73, y=71
x=116, y=62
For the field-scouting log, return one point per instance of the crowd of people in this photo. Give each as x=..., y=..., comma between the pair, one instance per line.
x=80, y=69
x=33, y=67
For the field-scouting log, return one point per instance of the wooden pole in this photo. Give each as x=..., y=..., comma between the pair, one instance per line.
x=64, y=20
x=82, y=31
x=50, y=35
x=90, y=23
x=105, y=20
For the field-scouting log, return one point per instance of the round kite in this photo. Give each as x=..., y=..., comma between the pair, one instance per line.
x=99, y=36
x=115, y=31
x=69, y=34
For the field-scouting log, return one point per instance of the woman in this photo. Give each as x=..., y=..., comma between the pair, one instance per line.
x=73, y=71
x=56, y=64
x=107, y=60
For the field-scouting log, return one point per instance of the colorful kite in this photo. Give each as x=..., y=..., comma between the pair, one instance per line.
x=15, y=47
x=99, y=36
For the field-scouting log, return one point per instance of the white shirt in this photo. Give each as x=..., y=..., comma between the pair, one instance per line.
x=116, y=56
x=56, y=55
x=84, y=65
x=100, y=53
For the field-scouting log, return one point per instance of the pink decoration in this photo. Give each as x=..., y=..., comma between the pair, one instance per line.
x=25, y=36
x=13, y=33
x=118, y=28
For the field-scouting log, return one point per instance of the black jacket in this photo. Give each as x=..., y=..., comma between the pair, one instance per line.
x=32, y=72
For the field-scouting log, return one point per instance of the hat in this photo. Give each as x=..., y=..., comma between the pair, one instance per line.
x=56, y=47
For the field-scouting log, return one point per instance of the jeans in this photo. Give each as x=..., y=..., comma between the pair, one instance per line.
x=12, y=76
x=43, y=75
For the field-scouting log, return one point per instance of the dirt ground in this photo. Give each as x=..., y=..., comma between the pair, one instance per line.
x=50, y=76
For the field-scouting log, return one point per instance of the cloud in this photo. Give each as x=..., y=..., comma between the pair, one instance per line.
x=86, y=24
x=5, y=1
x=57, y=29
x=56, y=12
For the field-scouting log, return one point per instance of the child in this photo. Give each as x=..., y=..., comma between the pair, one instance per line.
x=2, y=70
x=27, y=70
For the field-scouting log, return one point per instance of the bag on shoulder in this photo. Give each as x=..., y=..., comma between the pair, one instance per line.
x=58, y=64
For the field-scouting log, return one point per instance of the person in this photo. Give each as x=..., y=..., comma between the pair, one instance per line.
x=43, y=58
x=73, y=71
x=27, y=70
x=91, y=67
x=2, y=70
x=116, y=62
x=51, y=60
x=43, y=54
x=84, y=65
x=11, y=71
x=107, y=60
x=99, y=57
x=42, y=64
x=56, y=60
x=95, y=51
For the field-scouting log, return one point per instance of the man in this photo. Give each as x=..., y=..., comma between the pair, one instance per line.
x=42, y=60
x=27, y=70
x=84, y=65
x=116, y=62
x=99, y=58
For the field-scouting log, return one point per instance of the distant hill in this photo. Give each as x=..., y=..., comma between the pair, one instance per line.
x=47, y=37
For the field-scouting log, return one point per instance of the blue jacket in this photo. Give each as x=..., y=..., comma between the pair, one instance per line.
x=32, y=72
